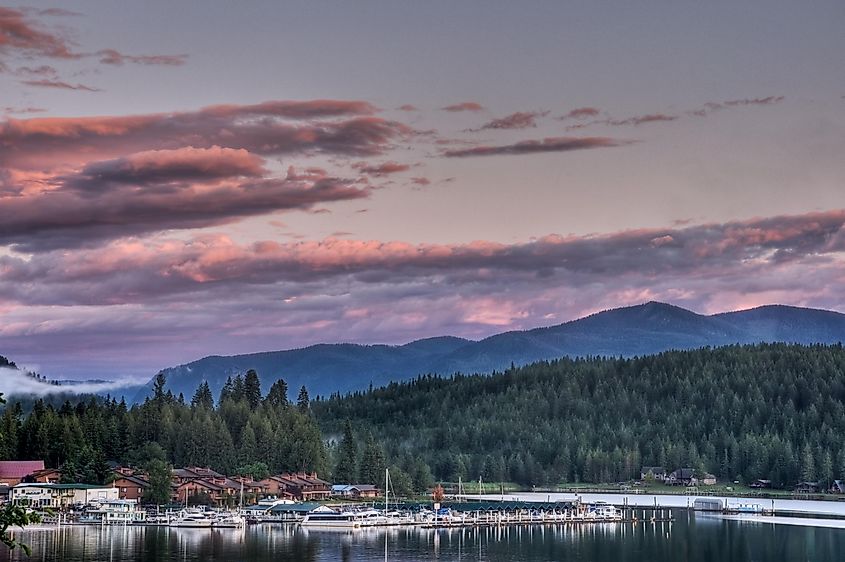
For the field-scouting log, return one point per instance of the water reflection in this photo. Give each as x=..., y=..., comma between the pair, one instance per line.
x=689, y=537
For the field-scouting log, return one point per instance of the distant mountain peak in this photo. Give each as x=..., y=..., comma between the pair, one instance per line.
x=643, y=329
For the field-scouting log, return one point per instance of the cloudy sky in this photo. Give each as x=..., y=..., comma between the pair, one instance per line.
x=195, y=178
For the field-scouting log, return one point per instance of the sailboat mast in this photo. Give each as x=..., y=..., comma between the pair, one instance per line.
x=386, y=486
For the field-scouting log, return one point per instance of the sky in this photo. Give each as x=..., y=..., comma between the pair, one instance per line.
x=187, y=179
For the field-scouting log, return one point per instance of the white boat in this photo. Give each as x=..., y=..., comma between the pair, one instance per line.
x=602, y=511
x=192, y=518
x=228, y=520
x=332, y=519
x=744, y=508
x=114, y=512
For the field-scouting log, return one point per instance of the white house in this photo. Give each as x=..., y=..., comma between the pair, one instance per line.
x=57, y=496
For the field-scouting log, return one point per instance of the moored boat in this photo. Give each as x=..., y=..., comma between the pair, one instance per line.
x=192, y=518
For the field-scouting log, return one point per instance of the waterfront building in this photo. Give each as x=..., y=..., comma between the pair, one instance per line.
x=60, y=496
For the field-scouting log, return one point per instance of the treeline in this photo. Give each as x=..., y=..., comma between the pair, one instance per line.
x=773, y=412
x=242, y=428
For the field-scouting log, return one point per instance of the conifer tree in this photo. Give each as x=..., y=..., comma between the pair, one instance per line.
x=346, y=469
x=252, y=389
x=202, y=397
x=278, y=394
x=303, y=402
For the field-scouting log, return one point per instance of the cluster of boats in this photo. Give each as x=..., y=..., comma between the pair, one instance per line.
x=352, y=519
x=125, y=512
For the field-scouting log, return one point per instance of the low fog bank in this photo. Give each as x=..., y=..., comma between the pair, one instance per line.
x=14, y=382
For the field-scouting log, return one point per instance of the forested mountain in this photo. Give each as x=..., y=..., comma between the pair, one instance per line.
x=772, y=411
x=638, y=330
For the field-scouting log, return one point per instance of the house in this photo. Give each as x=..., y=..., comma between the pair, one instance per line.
x=130, y=486
x=59, y=496
x=276, y=487
x=220, y=489
x=13, y=473
x=760, y=484
x=682, y=477
x=708, y=479
x=355, y=491
x=45, y=476
x=838, y=487
x=653, y=472
x=365, y=491
x=184, y=491
x=807, y=488
x=301, y=486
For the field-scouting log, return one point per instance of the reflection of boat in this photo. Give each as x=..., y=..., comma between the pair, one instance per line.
x=193, y=518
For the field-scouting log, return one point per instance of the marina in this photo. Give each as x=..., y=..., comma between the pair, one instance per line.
x=695, y=536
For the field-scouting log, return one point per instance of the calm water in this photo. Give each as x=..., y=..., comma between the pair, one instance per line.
x=689, y=538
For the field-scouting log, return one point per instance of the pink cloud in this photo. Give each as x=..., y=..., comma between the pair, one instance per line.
x=383, y=169
x=726, y=251
x=581, y=113
x=260, y=128
x=18, y=33
x=464, y=106
x=111, y=56
x=22, y=35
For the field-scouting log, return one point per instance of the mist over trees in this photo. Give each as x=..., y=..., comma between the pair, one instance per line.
x=239, y=429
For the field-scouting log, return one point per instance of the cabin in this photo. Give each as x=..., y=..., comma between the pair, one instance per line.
x=653, y=472
x=46, y=476
x=130, y=486
x=682, y=477
x=301, y=486
x=807, y=488
x=276, y=487
x=355, y=491
x=13, y=473
x=708, y=479
x=838, y=487
x=760, y=484
x=182, y=493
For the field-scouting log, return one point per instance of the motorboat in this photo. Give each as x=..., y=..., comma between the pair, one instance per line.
x=192, y=518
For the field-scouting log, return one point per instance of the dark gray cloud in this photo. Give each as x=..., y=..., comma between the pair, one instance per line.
x=552, y=144
x=159, y=190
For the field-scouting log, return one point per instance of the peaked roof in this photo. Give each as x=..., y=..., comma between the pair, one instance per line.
x=19, y=469
x=132, y=478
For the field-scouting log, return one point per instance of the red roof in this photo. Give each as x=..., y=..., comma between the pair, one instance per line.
x=19, y=469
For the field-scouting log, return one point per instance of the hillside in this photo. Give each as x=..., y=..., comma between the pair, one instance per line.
x=771, y=411
x=637, y=330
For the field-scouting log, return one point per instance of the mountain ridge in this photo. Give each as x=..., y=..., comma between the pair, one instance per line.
x=642, y=329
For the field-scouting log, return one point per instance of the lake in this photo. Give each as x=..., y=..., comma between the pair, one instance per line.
x=690, y=538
